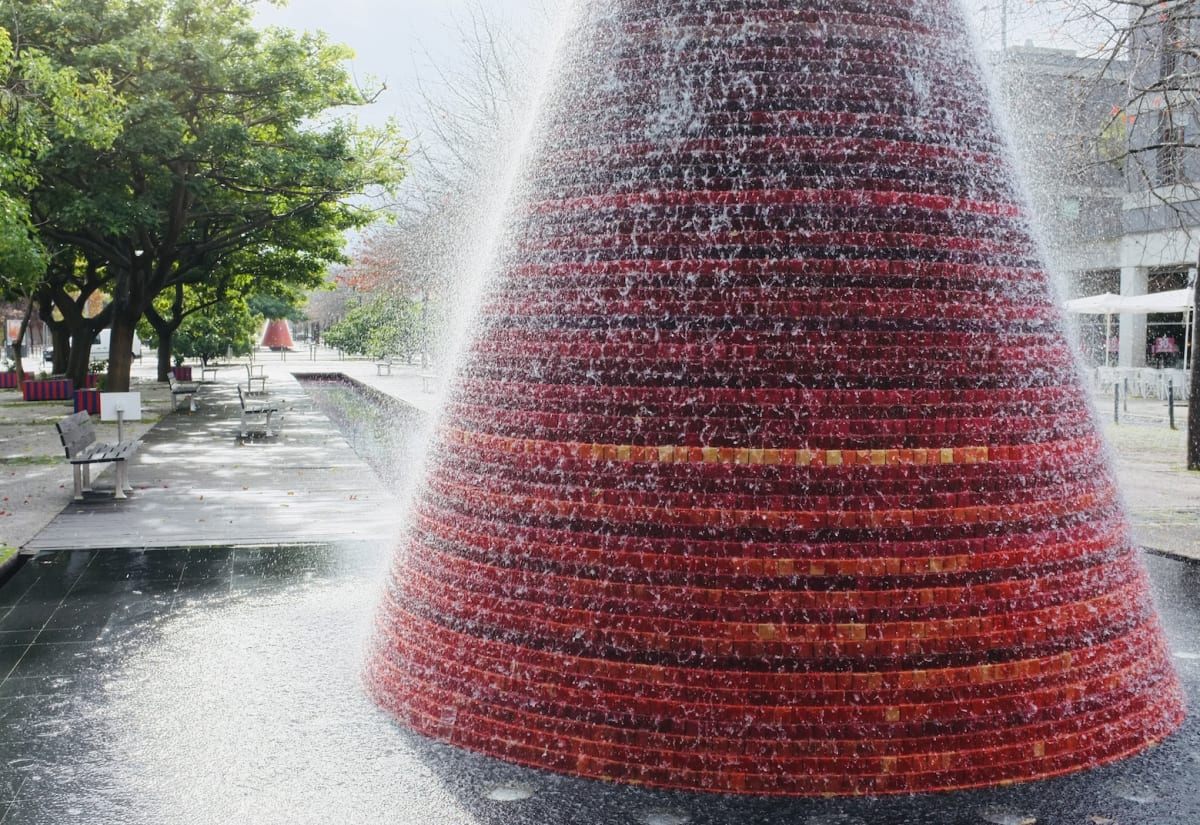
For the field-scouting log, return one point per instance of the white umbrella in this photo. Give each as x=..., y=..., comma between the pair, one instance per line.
x=1104, y=304
x=1175, y=300
x=1108, y=304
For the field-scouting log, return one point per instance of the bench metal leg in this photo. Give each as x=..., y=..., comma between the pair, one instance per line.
x=77, y=473
x=121, y=485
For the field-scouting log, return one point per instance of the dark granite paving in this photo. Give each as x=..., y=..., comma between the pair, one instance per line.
x=216, y=685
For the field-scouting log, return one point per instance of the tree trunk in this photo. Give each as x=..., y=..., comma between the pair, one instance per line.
x=19, y=344
x=127, y=307
x=120, y=353
x=80, y=357
x=165, y=329
x=60, y=339
x=166, y=337
x=60, y=335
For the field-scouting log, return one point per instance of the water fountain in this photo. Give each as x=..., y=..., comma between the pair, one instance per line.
x=768, y=470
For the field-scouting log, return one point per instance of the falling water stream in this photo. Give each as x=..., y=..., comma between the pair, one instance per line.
x=226, y=685
x=767, y=469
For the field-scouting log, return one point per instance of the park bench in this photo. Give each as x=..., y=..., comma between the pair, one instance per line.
x=429, y=381
x=205, y=369
x=384, y=363
x=79, y=441
x=179, y=388
x=254, y=372
x=255, y=411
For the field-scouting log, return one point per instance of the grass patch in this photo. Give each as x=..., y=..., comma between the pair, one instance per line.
x=30, y=460
x=6, y=553
x=1144, y=437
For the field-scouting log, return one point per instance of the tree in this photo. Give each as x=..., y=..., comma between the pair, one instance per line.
x=429, y=252
x=272, y=307
x=234, y=142
x=326, y=305
x=40, y=102
x=69, y=285
x=377, y=326
x=272, y=276
x=222, y=328
x=409, y=264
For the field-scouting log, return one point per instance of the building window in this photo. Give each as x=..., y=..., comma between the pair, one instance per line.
x=1170, y=152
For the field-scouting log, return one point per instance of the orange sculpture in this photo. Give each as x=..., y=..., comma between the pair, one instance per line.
x=277, y=335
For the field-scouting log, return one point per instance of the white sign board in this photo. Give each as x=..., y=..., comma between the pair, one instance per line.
x=129, y=404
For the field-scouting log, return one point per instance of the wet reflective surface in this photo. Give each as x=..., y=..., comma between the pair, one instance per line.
x=384, y=432
x=210, y=686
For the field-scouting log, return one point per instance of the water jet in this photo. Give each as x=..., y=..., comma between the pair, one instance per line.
x=768, y=470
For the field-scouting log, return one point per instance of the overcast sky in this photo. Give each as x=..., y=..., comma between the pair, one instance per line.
x=397, y=39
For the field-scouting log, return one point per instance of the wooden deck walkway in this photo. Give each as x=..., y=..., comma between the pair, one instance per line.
x=197, y=485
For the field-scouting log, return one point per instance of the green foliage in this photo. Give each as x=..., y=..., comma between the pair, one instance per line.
x=216, y=331
x=376, y=326
x=236, y=161
x=22, y=258
x=273, y=306
x=40, y=103
x=1113, y=143
x=211, y=328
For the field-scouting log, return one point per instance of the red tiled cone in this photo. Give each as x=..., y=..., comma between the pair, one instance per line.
x=768, y=470
x=277, y=335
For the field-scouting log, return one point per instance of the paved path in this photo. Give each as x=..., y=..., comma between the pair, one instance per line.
x=1162, y=497
x=196, y=484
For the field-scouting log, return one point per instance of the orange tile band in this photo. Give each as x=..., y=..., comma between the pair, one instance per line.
x=676, y=454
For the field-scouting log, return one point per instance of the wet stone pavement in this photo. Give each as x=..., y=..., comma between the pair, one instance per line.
x=224, y=685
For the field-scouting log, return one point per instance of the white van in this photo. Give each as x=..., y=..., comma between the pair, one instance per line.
x=100, y=346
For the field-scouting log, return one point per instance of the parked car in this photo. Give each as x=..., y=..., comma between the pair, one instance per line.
x=100, y=346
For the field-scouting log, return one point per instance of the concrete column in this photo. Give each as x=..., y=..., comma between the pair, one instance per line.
x=1133, y=327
